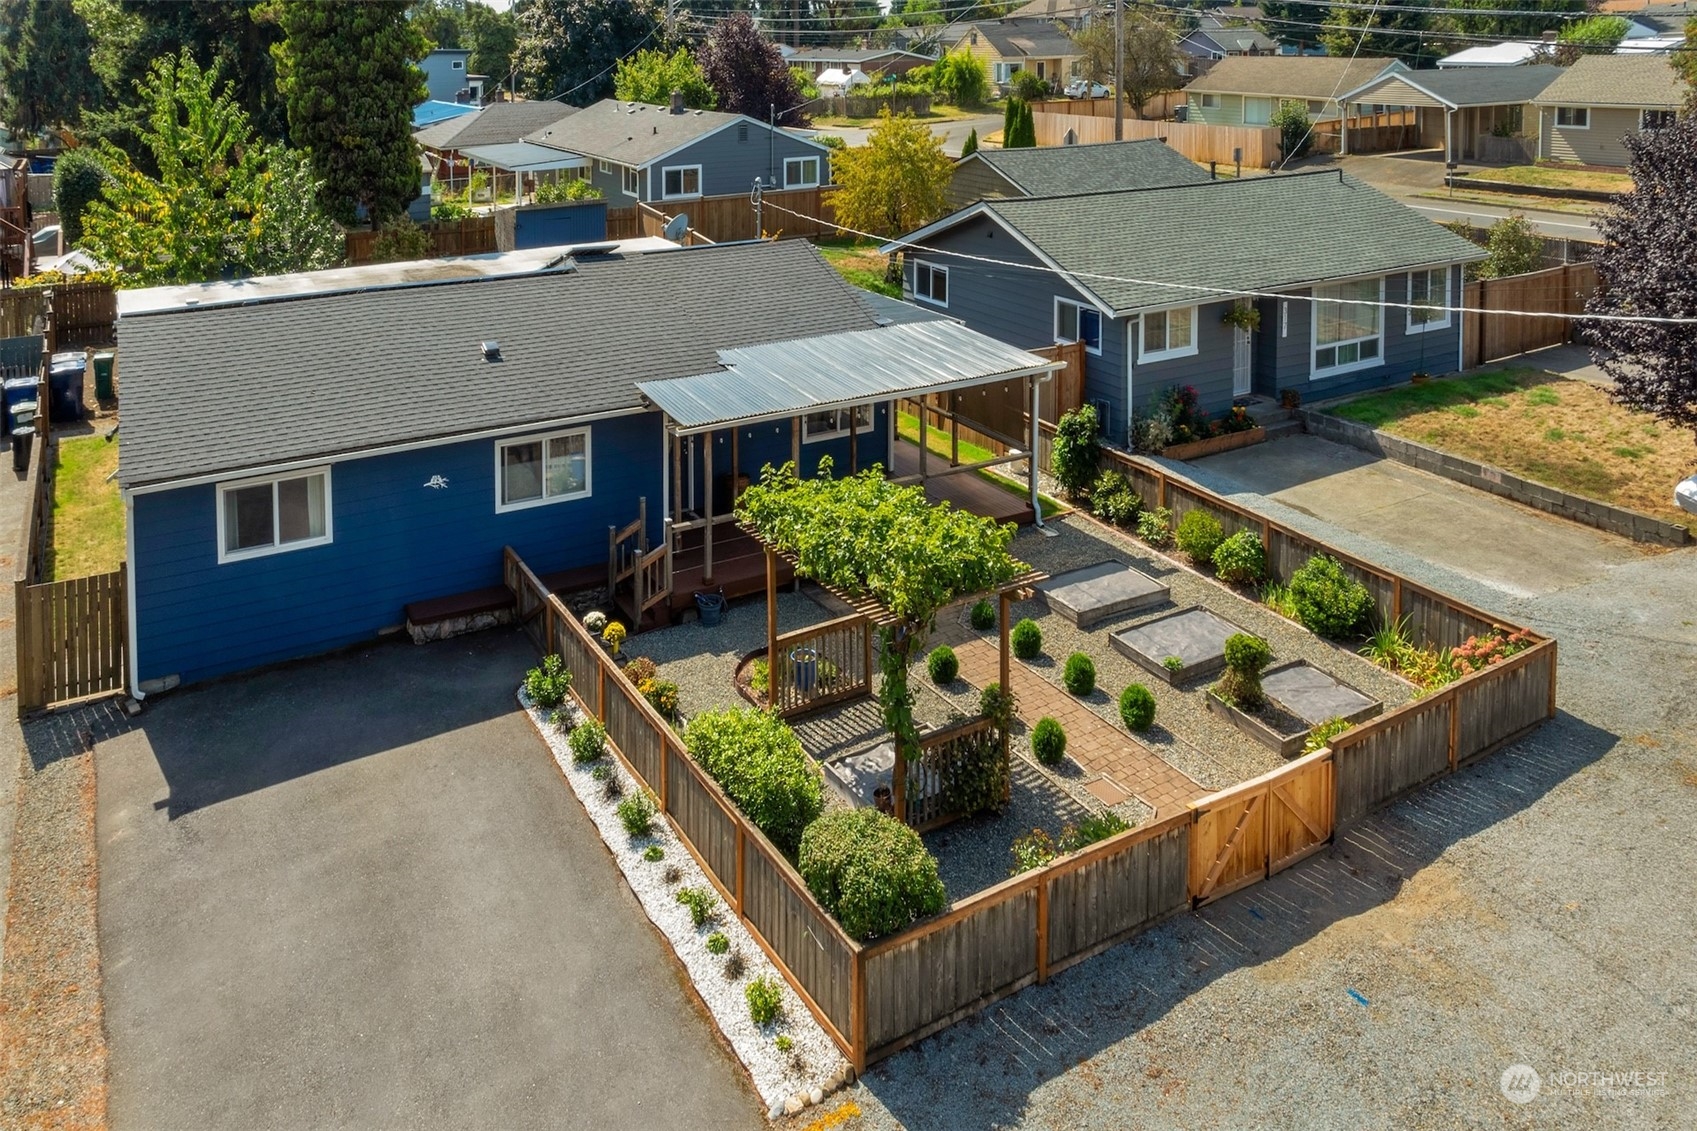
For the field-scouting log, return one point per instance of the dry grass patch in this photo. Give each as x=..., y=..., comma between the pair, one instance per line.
x=861, y=263
x=1554, y=176
x=1565, y=434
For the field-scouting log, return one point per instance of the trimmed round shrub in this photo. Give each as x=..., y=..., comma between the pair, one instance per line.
x=1048, y=741
x=1137, y=707
x=942, y=665
x=983, y=615
x=1079, y=676
x=78, y=178
x=1199, y=535
x=1113, y=499
x=1246, y=655
x=870, y=871
x=760, y=764
x=765, y=999
x=1027, y=639
x=1240, y=559
x=1327, y=600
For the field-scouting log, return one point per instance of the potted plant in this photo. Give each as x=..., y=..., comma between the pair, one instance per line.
x=613, y=636
x=1242, y=316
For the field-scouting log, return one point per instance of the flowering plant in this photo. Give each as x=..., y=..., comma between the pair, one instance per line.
x=613, y=636
x=1480, y=652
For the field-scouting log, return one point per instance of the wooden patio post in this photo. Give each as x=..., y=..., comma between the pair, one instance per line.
x=771, y=626
x=854, y=438
x=1006, y=603
x=707, y=531
x=924, y=444
x=954, y=429
x=795, y=444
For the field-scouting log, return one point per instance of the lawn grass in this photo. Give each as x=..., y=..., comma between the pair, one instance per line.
x=1565, y=434
x=1550, y=176
x=939, y=113
x=860, y=263
x=937, y=439
x=88, y=512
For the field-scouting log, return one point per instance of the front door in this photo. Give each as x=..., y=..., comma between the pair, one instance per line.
x=1241, y=367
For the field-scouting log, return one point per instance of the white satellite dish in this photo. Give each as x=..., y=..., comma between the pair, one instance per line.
x=677, y=226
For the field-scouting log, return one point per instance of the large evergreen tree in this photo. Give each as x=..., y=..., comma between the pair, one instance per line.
x=348, y=71
x=568, y=49
x=750, y=75
x=45, y=77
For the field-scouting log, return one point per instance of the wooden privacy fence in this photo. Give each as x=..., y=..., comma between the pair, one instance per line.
x=788, y=213
x=83, y=314
x=876, y=998
x=1158, y=106
x=1488, y=336
x=1259, y=144
x=475, y=235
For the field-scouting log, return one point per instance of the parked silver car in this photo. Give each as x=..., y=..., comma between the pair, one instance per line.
x=1084, y=88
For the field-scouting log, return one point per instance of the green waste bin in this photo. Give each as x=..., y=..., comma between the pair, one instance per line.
x=104, y=363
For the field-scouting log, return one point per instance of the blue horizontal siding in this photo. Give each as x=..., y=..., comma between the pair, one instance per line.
x=396, y=541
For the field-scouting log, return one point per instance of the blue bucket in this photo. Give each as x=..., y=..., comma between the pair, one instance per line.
x=804, y=663
x=711, y=607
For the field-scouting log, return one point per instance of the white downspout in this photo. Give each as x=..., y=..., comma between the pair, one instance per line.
x=130, y=593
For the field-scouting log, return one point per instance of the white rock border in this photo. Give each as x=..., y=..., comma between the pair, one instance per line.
x=781, y=1086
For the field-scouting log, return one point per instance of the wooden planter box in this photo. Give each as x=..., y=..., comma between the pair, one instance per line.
x=1287, y=746
x=1214, y=445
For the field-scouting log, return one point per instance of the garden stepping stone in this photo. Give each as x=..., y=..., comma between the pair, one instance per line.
x=1095, y=593
x=1313, y=696
x=1195, y=635
x=1105, y=791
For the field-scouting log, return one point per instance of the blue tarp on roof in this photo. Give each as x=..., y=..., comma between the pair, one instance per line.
x=433, y=111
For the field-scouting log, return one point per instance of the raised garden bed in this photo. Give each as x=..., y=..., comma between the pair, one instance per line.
x=1195, y=635
x=1214, y=445
x=1279, y=731
x=1098, y=592
x=1299, y=697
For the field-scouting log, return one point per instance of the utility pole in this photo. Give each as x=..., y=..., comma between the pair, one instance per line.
x=759, y=211
x=671, y=7
x=1119, y=70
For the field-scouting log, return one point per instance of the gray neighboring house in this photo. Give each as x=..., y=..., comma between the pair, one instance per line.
x=1065, y=169
x=1144, y=278
x=1585, y=115
x=447, y=74
x=499, y=123
x=1459, y=106
x=661, y=154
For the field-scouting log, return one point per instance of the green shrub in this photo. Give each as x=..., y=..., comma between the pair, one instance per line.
x=1327, y=600
x=870, y=871
x=1174, y=664
x=1156, y=527
x=759, y=763
x=1240, y=559
x=1033, y=850
x=561, y=192
x=588, y=742
x=1246, y=655
x=653, y=853
x=783, y=1042
x=1322, y=735
x=702, y=903
x=640, y=670
x=1048, y=741
x=1095, y=827
x=997, y=705
x=636, y=813
x=79, y=176
x=1079, y=676
x=1277, y=598
x=942, y=665
x=546, y=685
x=400, y=240
x=757, y=676
x=717, y=943
x=1113, y=500
x=1199, y=535
x=1137, y=707
x=765, y=999
x=983, y=615
x=1026, y=639
x=1077, y=450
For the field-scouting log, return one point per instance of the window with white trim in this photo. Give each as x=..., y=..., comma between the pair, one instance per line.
x=831, y=423
x=630, y=180
x=1316, y=106
x=1209, y=101
x=1428, y=299
x=459, y=64
x=533, y=470
x=1347, y=336
x=603, y=167
x=1257, y=111
x=268, y=516
x=1076, y=322
x=931, y=282
x=1573, y=117
x=1655, y=119
x=801, y=172
x=680, y=180
x=1003, y=72
x=1167, y=334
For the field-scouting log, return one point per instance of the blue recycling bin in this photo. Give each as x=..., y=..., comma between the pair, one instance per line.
x=65, y=386
x=15, y=391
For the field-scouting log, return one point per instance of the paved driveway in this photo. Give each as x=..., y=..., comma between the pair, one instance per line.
x=355, y=893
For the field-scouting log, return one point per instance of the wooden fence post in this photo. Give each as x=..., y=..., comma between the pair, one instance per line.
x=1553, y=657
x=1455, y=727
x=1042, y=930
x=857, y=1010
x=738, y=890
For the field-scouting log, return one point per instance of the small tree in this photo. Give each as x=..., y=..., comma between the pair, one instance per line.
x=1028, y=87
x=1648, y=265
x=1151, y=47
x=1295, y=131
x=896, y=182
x=970, y=146
x=961, y=79
x=651, y=76
x=1077, y=450
x=78, y=177
x=570, y=48
x=1019, y=128
x=1095, y=46
x=1512, y=247
x=749, y=73
x=1595, y=35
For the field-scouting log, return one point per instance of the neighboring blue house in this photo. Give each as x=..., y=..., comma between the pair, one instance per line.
x=1146, y=277
x=447, y=74
x=664, y=154
x=300, y=471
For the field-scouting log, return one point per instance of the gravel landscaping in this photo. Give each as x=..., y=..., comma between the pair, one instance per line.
x=786, y=1080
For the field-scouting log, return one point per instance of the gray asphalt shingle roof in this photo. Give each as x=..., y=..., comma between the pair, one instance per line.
x=499, y=123
x=1107, y=167
x=1219, y=237
x=631, y=133
x=1314, y=77
x=1616, y=80
x=1025, y=39
x=216, y=390
x=1470, y=86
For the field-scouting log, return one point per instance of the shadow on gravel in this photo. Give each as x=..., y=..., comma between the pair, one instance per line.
x=72, y=731
x=981, y=1072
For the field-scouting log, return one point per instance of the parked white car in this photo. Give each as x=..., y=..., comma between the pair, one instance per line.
x=1083, y=88
x=1686, y=495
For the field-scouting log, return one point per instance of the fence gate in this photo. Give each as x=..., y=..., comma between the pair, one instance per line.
x=73, y=639
x=1263, y=826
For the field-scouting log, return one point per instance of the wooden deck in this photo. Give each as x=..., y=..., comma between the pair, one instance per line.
x=965, y=490
x=739, y=567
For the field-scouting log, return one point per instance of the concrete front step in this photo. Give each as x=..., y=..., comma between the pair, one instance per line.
x=1284, y=428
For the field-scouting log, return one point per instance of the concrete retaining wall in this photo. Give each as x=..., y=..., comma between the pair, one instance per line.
x=1616, y=520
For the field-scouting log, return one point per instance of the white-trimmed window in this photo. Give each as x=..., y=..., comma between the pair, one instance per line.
x=1347, y=336
x=801, y=172
x=1076, y=322
x=630, y=180
x=1655, y=119
x=1209, y=101
x=603, y=167
x=1428, y=299
x=533, y=470
x=931, y=282
x=1573, y=117
x=268, y=516
x=1003, y=72
x=1257, y=111
x=831, y=423
x=1167, y=334
x=679, y=181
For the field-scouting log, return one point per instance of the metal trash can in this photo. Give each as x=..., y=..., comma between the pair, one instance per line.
x=105, y=363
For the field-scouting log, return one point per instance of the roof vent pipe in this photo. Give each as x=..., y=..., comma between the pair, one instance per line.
x=677, y=102
x=491, y=350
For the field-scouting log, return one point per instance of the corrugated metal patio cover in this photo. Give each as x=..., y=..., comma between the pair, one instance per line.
x=524, y=157
x=784, y=379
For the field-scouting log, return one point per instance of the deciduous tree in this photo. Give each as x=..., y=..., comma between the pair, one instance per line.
x=1597, y=35
x=749, y=73
x=349, y=75
x=651, y=76
x=1648, y=266
x=1513, y=247
x=1684, y=62
x=1151, y=53
x=896, y=182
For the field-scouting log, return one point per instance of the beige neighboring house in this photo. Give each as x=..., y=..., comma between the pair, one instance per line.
x=1009, y=46
x=1586, y=114
x=1245, y=90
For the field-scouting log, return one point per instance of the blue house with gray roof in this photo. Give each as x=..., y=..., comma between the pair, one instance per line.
x=1348, y=289
x=320, y=465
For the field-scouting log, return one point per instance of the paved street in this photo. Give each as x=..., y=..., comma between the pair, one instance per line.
x=1407, y=176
